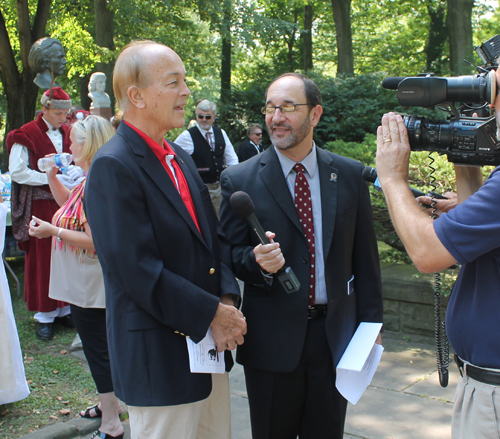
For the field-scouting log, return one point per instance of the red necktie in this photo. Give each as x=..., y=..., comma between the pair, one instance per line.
x=210, y=141
x=303, y=204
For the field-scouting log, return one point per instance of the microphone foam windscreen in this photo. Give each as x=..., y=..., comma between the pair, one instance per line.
x=242, y=204
x=370, y=174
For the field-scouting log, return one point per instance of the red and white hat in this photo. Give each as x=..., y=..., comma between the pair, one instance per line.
x=59, y=100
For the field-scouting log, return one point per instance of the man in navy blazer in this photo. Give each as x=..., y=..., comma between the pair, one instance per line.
x=165, y=262
x=295, y=340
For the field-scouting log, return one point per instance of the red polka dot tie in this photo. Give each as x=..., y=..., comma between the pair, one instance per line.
x=303, y=204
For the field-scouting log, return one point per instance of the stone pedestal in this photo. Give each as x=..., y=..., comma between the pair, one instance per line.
x=103, y=112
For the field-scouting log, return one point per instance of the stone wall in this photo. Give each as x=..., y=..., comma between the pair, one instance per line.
x=409, y=300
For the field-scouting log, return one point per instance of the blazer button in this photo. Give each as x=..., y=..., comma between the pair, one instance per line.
x=212, y=271
x=305, y=260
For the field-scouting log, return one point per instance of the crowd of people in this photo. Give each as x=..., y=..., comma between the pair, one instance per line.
x=145, y=249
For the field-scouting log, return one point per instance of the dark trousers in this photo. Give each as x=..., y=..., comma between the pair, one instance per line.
x=91, y=326
x=304, y=402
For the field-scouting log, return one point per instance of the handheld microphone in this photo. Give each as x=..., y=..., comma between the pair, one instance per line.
x=243, y=205
x=370, y=175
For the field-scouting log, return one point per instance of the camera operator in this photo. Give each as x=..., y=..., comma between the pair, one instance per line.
x=470, y=235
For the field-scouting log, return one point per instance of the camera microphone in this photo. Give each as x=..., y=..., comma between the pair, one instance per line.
x=370, y=175
x=243, y=205
x=392, y=82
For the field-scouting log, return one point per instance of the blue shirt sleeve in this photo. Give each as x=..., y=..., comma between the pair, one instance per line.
x=473, y=227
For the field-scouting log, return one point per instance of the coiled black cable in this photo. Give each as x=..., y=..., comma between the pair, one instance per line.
x=442, y=343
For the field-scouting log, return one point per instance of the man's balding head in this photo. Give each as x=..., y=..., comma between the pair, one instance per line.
x=133, y=68
x=150, y=85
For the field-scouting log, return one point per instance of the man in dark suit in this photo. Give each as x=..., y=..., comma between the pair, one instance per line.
x=164, y=259
x=315, y=205
x=252, y=145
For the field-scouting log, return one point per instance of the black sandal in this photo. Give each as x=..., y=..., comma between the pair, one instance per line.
x=100, y=435
x=98, y=413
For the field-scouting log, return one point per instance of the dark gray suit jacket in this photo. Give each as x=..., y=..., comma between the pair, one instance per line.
x=162, y=277
x=277, y=321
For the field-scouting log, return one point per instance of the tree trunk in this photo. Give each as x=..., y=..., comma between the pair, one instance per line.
x=342, y=18
x=19, y=89
x=437, y=36
x=225, y=70
x=104, y=33
x=460, y=35
x=83, y=86
x=307, y=48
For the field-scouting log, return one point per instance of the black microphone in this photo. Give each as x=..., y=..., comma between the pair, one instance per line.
x=370, y=175
x=243, y=205
x=392, y=82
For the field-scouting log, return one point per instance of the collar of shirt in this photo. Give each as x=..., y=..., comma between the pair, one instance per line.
x=204, y=132
x=310, y=162
x=159, y=151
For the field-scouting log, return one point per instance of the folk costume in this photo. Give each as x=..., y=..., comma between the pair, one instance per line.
x=31, y=196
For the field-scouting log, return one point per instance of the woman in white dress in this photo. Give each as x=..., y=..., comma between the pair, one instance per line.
x=13, y=385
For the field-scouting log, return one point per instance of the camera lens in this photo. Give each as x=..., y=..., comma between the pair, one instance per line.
x=442, y=136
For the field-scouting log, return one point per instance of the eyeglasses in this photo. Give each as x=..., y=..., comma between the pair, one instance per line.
x=285, y=108
x=202, y=116
x=257, y=134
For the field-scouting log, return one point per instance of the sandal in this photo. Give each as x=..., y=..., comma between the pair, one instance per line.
x=98, y=413
x=100, y=435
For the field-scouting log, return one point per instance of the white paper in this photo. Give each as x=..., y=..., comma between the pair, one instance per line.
x=203, y=356
x=359, y=362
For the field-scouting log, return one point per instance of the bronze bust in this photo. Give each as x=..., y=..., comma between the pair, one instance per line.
x=47, y=59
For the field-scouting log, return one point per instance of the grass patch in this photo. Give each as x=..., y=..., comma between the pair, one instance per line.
x=58, y=381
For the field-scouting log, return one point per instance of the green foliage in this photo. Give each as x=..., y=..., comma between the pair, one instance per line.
x=363, y=152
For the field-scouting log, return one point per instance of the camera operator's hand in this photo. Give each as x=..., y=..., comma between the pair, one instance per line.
x=441, y=206
x=412, y=225
x=496, y=104
x=393, y=150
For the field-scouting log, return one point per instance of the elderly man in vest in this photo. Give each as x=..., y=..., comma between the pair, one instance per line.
x=210, y=148
x=31, y=196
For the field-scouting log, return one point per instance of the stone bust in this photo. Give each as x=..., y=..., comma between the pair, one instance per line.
x=97, y=85
x=47, y=59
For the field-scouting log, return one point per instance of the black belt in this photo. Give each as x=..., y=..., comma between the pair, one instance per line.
x=477, y=373
x=316, y=311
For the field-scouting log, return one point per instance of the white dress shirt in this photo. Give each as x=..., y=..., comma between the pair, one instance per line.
x=185, y=141
x=19, y=160
x=312, y=176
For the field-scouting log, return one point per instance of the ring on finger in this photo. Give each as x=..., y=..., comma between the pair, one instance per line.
x=387, y=141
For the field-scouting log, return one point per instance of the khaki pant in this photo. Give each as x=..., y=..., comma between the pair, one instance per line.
x=216, y=196
x=206, y=419
x=476, y=413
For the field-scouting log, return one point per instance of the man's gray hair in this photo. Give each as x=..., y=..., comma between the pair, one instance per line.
x=206, y=105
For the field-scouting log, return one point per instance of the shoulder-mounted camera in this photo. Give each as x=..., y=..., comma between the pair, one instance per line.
x=463, y=138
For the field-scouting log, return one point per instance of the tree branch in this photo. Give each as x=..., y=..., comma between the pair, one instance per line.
x=41, y=18
x=8, y=66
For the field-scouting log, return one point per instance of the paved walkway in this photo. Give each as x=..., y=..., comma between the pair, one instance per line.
x=404, y=400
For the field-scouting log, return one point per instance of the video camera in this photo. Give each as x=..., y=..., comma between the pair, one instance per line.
x=466, y=140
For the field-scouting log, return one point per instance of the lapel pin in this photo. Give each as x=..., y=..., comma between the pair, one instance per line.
x=333, y=177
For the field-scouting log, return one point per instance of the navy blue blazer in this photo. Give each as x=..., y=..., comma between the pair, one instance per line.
x=277, y=321
x=163, y=278
x=246, y=150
